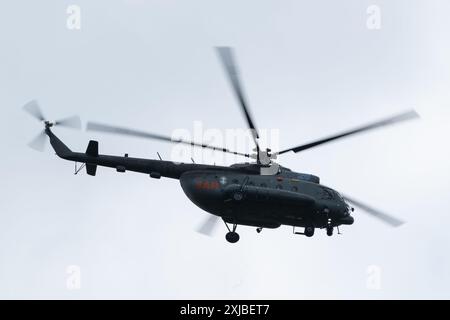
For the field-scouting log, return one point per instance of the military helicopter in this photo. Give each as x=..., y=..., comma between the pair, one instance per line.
x=261, y=193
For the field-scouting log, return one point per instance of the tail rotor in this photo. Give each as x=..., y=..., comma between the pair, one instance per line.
x=39, y=142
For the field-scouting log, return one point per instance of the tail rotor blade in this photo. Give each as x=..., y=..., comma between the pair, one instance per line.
x=73, y=122
x=34, y=110
x=386, y=218
x=38, y=143
x=208, y=226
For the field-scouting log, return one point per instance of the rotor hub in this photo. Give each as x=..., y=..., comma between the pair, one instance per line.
x=265, y=157
x=48, y=124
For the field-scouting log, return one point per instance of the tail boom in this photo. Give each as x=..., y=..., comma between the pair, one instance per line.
x=92, y=159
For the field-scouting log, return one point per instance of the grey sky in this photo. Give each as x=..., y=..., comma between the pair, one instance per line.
x=309, y=68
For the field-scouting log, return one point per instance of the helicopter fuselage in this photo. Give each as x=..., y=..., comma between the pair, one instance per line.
x=266, y=201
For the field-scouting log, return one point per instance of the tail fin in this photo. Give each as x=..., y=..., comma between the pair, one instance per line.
x=92, y=150
x=60, y=148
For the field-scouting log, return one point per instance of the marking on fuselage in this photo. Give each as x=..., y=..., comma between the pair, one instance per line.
x=207, y=185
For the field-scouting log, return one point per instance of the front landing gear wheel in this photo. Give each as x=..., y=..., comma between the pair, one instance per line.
x=309, y=231
x=232, y=237
x=329, y=231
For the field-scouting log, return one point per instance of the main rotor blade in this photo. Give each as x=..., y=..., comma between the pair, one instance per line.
x=386, y=218
x=388, y=121
x=34, y=110
x=94, y=126
x=208, y=226
x=38, y=143
x=228, y=61
x=73, y=122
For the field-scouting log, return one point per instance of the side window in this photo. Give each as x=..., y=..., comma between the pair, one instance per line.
x=279, y=186
x=294, y=188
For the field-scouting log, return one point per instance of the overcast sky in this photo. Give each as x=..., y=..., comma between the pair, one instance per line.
x=310, y=68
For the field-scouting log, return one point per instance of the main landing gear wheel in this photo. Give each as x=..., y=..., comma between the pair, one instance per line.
x=309, y=231
x=232, y=237
x=329, y=231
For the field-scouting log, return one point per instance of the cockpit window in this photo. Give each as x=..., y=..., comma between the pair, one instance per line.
x=329, y=194
x=326, y=194
x=339, y=196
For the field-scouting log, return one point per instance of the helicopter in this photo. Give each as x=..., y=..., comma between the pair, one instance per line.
x=260, y=193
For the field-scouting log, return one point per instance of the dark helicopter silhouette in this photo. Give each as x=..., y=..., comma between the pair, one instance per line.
x=261, y=194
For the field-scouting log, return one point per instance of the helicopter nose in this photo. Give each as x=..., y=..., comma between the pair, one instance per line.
x=347, y=220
